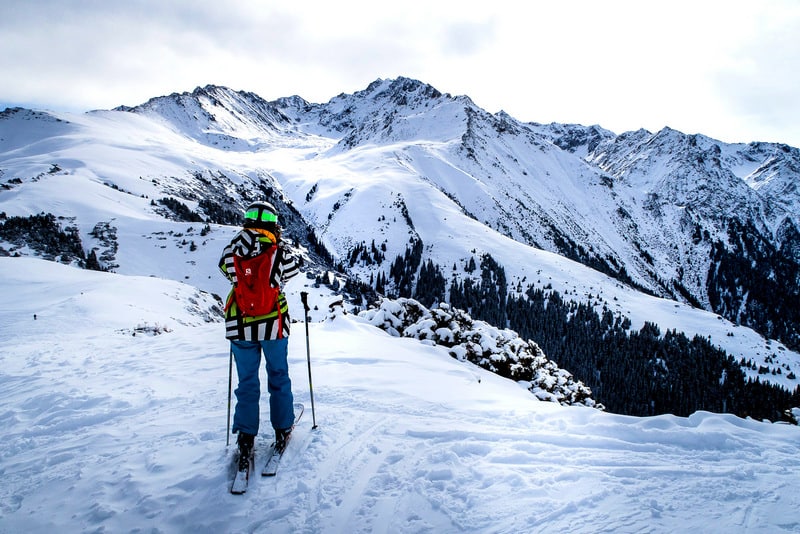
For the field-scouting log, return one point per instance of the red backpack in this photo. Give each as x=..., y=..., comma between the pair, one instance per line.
x=254, y=293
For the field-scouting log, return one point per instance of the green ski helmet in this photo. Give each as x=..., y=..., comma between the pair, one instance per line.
x=261, y=215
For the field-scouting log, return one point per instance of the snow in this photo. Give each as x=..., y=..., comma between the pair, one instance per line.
x=148, y=157
x=106, y=431
x=113, y=398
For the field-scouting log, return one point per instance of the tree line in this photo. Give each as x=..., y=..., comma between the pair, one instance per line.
x=634, y=372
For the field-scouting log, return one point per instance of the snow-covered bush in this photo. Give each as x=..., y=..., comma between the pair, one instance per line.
x=501, y=351
x=793, y=415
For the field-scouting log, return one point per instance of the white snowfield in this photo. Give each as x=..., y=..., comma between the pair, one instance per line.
x=106, y=431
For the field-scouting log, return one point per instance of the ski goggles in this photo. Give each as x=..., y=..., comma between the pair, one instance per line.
x=265, y=216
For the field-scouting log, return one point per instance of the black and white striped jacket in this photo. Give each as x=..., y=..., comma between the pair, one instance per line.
x=247, y=243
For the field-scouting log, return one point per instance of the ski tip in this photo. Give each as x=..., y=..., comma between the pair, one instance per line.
x=239, y=485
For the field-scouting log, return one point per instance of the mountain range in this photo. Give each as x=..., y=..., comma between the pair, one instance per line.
x=404, y=191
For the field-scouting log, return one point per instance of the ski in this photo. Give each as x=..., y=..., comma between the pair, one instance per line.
x=275, y=454
x=242, y=477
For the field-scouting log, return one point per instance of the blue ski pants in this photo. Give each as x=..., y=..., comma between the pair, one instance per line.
x=247, y=354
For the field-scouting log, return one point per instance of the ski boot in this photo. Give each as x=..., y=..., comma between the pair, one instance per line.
x=245, y=442
x=282, y=437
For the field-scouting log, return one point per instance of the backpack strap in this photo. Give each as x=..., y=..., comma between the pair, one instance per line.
x=280, y=320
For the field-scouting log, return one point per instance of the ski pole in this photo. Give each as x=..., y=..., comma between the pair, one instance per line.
x=304, y=298
x=230, y=385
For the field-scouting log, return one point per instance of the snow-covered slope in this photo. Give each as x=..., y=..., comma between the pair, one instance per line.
x=106, y=431
x=660, y=211
x=697, y=210
x=394, y=164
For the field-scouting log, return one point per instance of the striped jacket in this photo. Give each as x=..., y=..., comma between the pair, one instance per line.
x=251, y=242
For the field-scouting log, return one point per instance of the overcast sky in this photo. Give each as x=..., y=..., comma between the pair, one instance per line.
x=729, y=69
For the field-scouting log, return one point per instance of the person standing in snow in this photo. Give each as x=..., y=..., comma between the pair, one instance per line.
x=250, y=335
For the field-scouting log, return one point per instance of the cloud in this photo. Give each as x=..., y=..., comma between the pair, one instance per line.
x=727, y=68
x=760, y=82
x=467, y=38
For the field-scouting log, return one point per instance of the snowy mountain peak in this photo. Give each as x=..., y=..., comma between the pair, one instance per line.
x=400, y=90
x=574, y=138
x=218, y=116
x=396, y=110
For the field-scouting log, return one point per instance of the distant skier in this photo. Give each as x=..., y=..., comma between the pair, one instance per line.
x=252, y=330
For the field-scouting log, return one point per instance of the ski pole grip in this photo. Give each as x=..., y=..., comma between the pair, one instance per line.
x=304, y=299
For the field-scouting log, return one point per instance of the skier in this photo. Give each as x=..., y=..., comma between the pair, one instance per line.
x=249, y=336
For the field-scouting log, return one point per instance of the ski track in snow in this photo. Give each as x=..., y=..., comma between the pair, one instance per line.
x=108, y=432
x=371, y=467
